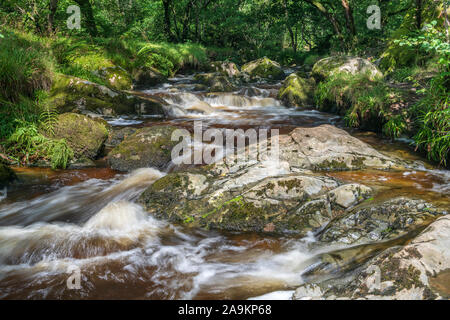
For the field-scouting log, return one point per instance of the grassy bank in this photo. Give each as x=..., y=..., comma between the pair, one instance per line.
x=29, y=65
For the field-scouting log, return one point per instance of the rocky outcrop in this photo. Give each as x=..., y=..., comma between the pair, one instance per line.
x=264, y=68
x=245, y=200
x=227, y=68
x=336, y=65
x=216, y=82
x=116, y=136
x=297, y=91
x=328, y=148
x=388, y=220
x=416, y=271
x=147, y=147
x=85, y=136
x=71, y=94
x=269, y=194
x=145, y=77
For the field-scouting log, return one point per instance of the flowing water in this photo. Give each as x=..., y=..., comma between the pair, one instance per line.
x=54, y=224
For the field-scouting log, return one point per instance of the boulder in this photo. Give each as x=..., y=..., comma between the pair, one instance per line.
x=6, y=175
x=84, y=135
x=116, y=77
x=147, y=147
x=227, y=68
x=243, y=200
x=266, y=193
x=297, y=91
x=379, y=222
x=264, y=68
x=145, y=77
x=332, y=66
x=116, y=136
x=417, y=271
x=71, y=94
x=216, y=82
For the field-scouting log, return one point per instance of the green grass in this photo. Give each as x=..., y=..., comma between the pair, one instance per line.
x=364, y=103
x=432, y=120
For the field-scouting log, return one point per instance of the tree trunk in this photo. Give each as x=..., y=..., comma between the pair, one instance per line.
x=86, y=8
x=288, y=26
x=349, y=17
x=52, y=6
x=167, y=23
x=419, y=14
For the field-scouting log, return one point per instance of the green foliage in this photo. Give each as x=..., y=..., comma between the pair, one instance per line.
x=432, y=118
x=430, y=40
x=364, y=103
x=170, y=58
x=27, y=143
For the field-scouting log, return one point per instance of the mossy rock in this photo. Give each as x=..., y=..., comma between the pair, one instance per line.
x=216, y=82
x=116, y=77
x=297, y=91
x=71, y=94
x=147, y=147
x=84, y=135
x=341, y=65
x=226, y=68
x=6, y=175
x=145, y=77
x=264, y=68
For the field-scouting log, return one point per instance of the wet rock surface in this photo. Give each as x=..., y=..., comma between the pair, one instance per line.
x=84, y=135
x=297, y=91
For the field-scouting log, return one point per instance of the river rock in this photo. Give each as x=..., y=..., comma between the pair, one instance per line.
x=264, y=68
x=84, y=135
x=216, y=82
x=416, y=271
x=117, y=77
x=145, y=77
x=379, y=222
x=297, y=91
x=248, y=199
x=71, y=94
x=116, y=136
x=329, y=148
x=336, y=65
x=147, y=147
x=227, y=68
x=6, y=175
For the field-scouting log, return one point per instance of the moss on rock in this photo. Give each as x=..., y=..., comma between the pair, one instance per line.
x=147, y=147
x=71, y=94
x=85, y=136
x=344, y=65
x=116, y=77
x=264, y=68
x=297, y=91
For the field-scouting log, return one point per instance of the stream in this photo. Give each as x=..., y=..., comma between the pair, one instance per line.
x=55, y=221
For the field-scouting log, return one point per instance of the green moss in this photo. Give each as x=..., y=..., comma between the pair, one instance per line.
x=85, y=136
x=170, y=181
x=264, y=68
x=332, y=165
x=297, y=91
